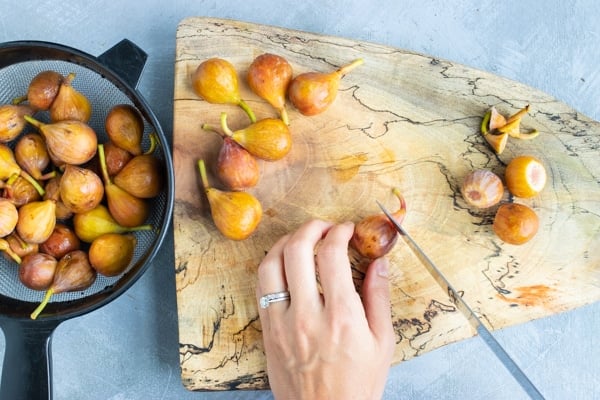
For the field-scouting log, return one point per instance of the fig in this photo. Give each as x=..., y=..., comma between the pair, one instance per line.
x=36, y=271
x=125, y=208
x=125, y=128
x=20, y=191
x=62, y=241
x=73, y=272
x=19, y=246
x=8, y=217
x=80, y=189
x=313, y=92
x=235, y=214
x=375, y=235
x=70, y=104
x=32, y=155
x=116, y=158
x=482, y=188
x=69, y=142
x=53, y=193
x=91, y=224
x=9, y=169
x=236, y=167
x=43, y=89
x=111, y=253
x=12, y=121
x=36, y=221
x=5, y=247
x=268, y=139
x=269, y=76
x=141, y=177
x=215, y=80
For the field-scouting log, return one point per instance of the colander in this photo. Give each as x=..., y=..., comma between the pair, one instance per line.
x=106, y=80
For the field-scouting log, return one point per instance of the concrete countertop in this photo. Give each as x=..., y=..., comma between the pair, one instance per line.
x=129, y=348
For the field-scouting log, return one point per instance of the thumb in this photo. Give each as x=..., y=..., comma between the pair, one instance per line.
x=376, y=300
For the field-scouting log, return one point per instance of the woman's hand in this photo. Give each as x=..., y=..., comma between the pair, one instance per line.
x=330, y=345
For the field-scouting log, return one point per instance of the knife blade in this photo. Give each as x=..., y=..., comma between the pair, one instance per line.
x=489, y=339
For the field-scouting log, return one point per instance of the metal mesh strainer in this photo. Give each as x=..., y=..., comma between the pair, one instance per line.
x=107, y=80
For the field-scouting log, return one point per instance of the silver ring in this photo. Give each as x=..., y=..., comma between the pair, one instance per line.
x=267, y=299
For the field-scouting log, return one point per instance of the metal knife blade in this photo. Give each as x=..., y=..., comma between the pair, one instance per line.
x=468, y=312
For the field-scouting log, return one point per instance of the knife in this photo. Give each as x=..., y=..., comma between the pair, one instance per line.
x=468, y=312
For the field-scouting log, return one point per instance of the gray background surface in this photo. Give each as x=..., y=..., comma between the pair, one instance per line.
x=129, y=348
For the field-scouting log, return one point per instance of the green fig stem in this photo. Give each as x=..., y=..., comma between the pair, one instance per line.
x=33, y=121
x=284, y=116
x=33, y=182
x=43, y=304
x=18, y=100
x=211, y=128
x=203, y=177
x=248, y=111
x=5, y=247
x=103, y=166
x=347, y=68
x=153, y=143
x=224, y=126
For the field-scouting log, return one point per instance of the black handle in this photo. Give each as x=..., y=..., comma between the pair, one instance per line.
x=126, y=59
x=26, y=371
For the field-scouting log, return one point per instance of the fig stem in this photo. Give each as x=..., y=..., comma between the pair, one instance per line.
x=43, y=304
x=349, y=67
x=103, y=166
x=33, y=182
x=224, y=126
x=33, y=121
x=399, y=215
x=284, y=116
x=209, y=127
x=18, y=100
x=153, y=143
x=248, y=111
x=4, y=246
x=203, y=177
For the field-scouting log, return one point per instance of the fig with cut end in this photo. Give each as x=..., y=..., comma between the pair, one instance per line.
x=269, y=76
x=73, y=272
x=313, y=92
x=235, y=214
x=375, y=235
x=216, y=81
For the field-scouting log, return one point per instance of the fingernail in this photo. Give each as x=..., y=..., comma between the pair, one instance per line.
x=382, y=267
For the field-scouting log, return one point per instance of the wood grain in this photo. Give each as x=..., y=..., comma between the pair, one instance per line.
x=401, y=119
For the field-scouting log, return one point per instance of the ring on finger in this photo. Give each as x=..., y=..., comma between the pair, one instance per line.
x=266, y=300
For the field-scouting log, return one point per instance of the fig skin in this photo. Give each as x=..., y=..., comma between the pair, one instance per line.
x=116, y=158
x=91, y=224
x=32, y=155
x=37, y=270
x=269, y=76
x=111, y=253
x=70, y=104
x=8, y=217
x=80, y=189
x=36, y=221
x=125, y=127
x=43, y=89
x=12, y=122
x=375, y=235
x=62, y=241
x=141, y=177
x=236, y=167
x=313, y=92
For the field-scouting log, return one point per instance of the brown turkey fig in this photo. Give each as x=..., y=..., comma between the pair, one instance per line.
x=235, y=214
x=62, y=241
x=111, y=253
x=9, y=169
x=36, y=271
x=73, y=273
x=313, y=92
x=374, y=236
x=125, y=128
x=36, y=221
x=216, y=81
x=32, y=155
x=12, y=121
x=269, y=76
x=141, y=177
x=69, y=103
x=125, y=208
x=91, y=224
x=69, y=142
x=43, y=89
x=236, y=167
x=80, y=189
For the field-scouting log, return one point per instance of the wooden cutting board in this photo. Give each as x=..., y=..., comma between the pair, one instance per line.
x=401, y=119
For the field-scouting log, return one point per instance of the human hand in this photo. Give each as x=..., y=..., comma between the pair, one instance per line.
x=330, y=345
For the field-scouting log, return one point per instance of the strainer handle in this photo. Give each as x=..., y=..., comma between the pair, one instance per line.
x=126, y=59
x=26, y=371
